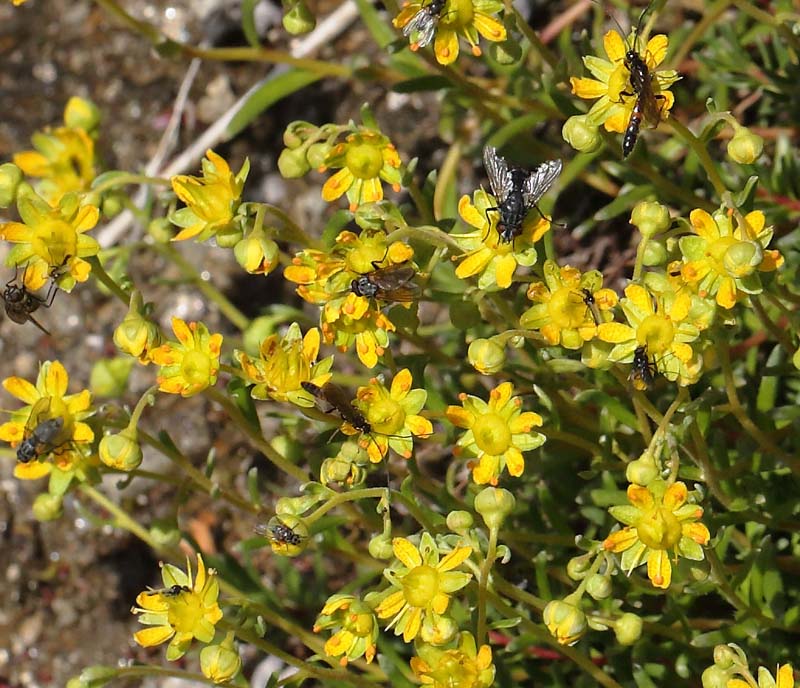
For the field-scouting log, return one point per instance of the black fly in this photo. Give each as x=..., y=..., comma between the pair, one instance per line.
x=423, y=24
x=171, y=591
x=394, y=283
x=20, y=304
x=517, y=190
x=280, y=533
x=643, y=369
x=336, y=397
x=591, y=304
x=41, y=436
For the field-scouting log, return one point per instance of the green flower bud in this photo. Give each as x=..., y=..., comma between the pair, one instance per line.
x=459, y=521
x=94, y=677
x=83, y=114
x=221, y=663
x=297, y=132
x=10, y=177
x=136, y=335
x=643, y=470
x=796, y=359
x=113, y=205
x=655, y=253
x=599, y=586
x=317, y=153
x=628, y=629
x=506, y=53
x=765, y=678
x=257, y=254
x=161, y=230
x=165, y=533
x=581, y=134
x=340, y=471
x=48, y=507
x=487, y=356
x=229, y=236
x=109, y=376
x=299, y=19
x=715, y=677
x=728, y=656
x=121, y=450
x=743, y=258
x=438, y=630
x=293, y=163
x=565, y=621
x=650, y=218
x=745, y=147
x=494, y=504
x=577, y=567
x=287, y=535
x=380, y=547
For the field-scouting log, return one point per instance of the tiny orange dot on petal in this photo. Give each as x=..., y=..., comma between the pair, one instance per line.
x=476, y=51
x=396, y=188
x=353, y=207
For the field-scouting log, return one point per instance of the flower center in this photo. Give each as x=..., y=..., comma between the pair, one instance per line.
x=566, y=308
x=455, y=670
x=659, y=529
x=492, y=434
x=386, y=416
x=56, y=239
x=364, y=160
x=420, y=585
x=196, y=367
x=185, y=612
x=657, y=333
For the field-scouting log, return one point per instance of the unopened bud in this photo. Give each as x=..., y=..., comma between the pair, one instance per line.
x=581, y=134
x=745, y=147
x=292, y=163
x=299, y=19
x=48, y=507
x=121, y=450
x=10, y=177
x=487, y=356
x=628, y=629
x=82, y=114
x=650, y=218
x=494, y=504
x=220, y=663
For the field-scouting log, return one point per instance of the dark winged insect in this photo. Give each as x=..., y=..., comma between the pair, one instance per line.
x=646, y=107
x=41, y=436
x=280, y=533
x=517, y=190
x=337, y=398
x=20, y=304
x=422, y=25
x=591, y=304
x=172, y=591
x=394, y=283
x=643, y=369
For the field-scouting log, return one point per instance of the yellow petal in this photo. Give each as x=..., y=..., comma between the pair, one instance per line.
x=21, y=389
x=148, y=637
x=588, y=88
x=489, y=27
x=640, y=497
x=515, y=463
x=726, y=296
x=659, y=569
x=55, y=378
x=656, y=50
x=470, y=214
x=617, y=122
x=675, y=496
x=460, y=417
x=406, y=552
x=504, y=270
x=621, y=540
x=401, y=384
x=391, y=605
x=182, y=331
x=640, y=298
x=445, y=47
x=614, y=46
x=785, y=678
x=474, y=263
x=697, y=532
x=703, y=224
x=413, y=623
x=454, y=558
x=615, y=333
x=337, y=185
x=32, y=471
x=419, y=426
x=371, y=191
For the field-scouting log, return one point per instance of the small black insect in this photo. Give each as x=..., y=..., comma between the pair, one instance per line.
x=643, y=369
x=422, y=25
x=40, y=440
x=339, y=400
x=172, y=591
x=394, y=283
x=591, y=304
x=20, y=304
x=280, y=533
x=517, y=190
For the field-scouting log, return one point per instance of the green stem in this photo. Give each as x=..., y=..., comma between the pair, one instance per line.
x=447, y=175
x=100, y=274
x=701, y=152
x=712, y=14
x=255, y=436
x=291, y=225
x=231, y=312
x=342, y=497
x=779, y=334
x=483, y=584
x=125, y=179
x=143, y=670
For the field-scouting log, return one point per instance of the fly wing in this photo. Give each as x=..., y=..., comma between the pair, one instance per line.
x=422, y=27
x=396, y=283
x=499, y=173
x=539, y=181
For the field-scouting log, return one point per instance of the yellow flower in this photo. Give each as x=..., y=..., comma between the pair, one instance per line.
x=661, y=325
x=392, y=413
x=52, y=237
x=221, y=662
x=486, y=254
x=45, y=400
x=569, y=306
x=365, y=158
x=784, y=678
x=565, y=620
x=190, y=365
x=467, y=18
x=497, y=432
x=212, y=200
x=184, y=610
x=658, y=522
x=285, y=362
x=724, y=262
x=612, y=82
x=425, y=585
x=357, y=628
x=464, y=666
x=63, y=158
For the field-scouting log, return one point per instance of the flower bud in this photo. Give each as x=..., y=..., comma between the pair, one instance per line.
x=577, y=567
x=221, y=663
x=743, y=258
x=299, y=19
x=581, y=134
x=438, y=630
x=292, y=163
x=494, y=504
x=745, y=147
x=257, y=254
x=766, y=679
x=380, y=547
x=565, y=621
x=599, y=586
x=506, y=53
x=113, y=204
x=628, y=629
x=459, y=521
x=727, y=656
x=109, y=376
x=121, y=450
x=317, y=153
x=137, y=335
x=643, y=470
x=655, y=253
x=229, y=236
x=161, y=230
x=650, y=218
x=10, y=177
x=95, y=676
x=82, y=114
x=714, y=677
x=287, y=534
x=487, y=356
x=340, y=471
x=48, y=507
x=297, y=132
x=165, y=533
